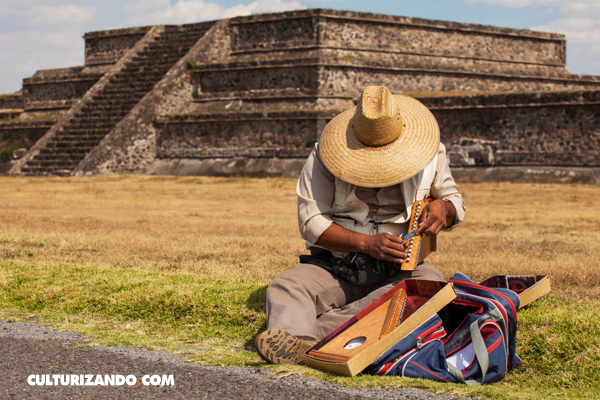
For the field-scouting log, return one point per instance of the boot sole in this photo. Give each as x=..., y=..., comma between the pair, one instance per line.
x=279, y=347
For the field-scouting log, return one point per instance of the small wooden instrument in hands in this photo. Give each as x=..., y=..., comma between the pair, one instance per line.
x=357, y=343
x=417, y=247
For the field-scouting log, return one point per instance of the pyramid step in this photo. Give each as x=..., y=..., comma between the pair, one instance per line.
x=110, y=105
x=106, y=113
x=78, y=144
x=47, y=171
x=59, y=141
x=131, y=88
x=98, y=117
x=81, y=133
x=95, y=120
x=134, y=93
x=66, y=151
x=97, y=114
x=79, y=136
x=61, y=164
x=107, y=127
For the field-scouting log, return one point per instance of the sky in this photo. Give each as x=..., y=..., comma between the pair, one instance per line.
x=44, y=34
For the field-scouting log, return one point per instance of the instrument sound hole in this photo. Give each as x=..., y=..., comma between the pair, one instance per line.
x=354, y=343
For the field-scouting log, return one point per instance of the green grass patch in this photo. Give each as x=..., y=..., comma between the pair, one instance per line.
x=136, y=306
x=558, y=340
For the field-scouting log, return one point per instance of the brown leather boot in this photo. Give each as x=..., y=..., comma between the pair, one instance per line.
x=279, y=347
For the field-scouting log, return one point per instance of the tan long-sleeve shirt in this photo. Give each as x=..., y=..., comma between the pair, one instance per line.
x=316, y=191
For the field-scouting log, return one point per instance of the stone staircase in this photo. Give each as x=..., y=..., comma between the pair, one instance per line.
x=65, y=150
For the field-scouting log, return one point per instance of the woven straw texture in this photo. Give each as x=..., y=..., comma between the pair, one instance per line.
x=380, y=166
x=377, y=120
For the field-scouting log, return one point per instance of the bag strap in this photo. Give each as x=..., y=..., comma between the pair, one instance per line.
x=480, y=352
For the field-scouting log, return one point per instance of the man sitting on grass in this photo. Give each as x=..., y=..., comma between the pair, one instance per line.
x=355, y=195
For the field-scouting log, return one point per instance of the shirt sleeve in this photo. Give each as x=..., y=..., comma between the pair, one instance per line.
x=315, y=191
x=445, y=188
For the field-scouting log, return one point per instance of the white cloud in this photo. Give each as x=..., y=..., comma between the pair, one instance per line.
x=141, y=12
x=578, y=20
x=40, y=34
x=67, y=13
x=577, y=30
x=521, y=3
x=162, y=12
x=262, y=6
x=145, y=6
x=37, y=16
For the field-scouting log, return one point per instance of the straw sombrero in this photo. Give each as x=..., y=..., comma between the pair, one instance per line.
x=384, y=140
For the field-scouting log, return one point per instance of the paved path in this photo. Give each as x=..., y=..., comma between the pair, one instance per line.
x=27, y=349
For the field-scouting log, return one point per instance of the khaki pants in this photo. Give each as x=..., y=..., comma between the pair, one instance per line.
x=310, y=302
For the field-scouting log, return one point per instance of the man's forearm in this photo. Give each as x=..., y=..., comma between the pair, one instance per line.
x=383, y=246
x=337, y=238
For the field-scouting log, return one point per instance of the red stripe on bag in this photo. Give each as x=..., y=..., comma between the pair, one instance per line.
x=495, y=344
x=426, y=370
x=476, y=286
x=428, y=331
x=499, y=306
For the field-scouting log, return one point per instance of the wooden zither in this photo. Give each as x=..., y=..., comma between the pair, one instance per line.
x=417, y=247
x=357, y=343
x=528, y=287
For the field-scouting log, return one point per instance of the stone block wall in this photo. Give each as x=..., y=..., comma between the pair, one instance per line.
x=59, y=88
x=520, y=129
x=252, y=135
x=11, y=102
x=107, y=47
x=333, y=54
x=22, y=134
x=377, y=32
x=327, y=77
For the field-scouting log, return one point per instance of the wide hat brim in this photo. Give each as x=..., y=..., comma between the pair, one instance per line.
x=379, y=166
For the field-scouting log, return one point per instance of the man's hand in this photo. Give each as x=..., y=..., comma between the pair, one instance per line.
x=383, y=246
x=437, y=215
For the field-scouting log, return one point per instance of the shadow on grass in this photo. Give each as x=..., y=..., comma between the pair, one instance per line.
x=257, y=302
x=257, y=299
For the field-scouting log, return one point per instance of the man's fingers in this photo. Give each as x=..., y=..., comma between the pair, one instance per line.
x=392, y=238
x=424, y=215
x=440, y=226
x=393, y=255
x=424, y=221
x=392, y=251
x=398, y=246
x=434, y=228
x=423, y=226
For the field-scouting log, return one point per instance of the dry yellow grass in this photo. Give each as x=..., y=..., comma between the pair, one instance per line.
x=237, y=227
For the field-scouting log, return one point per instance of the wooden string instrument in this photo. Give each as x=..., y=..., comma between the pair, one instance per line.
x=357, y=343
x=417, y=247
x=528, y=287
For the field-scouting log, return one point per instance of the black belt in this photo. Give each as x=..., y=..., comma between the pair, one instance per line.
x=360, y=269
x=319, y=252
